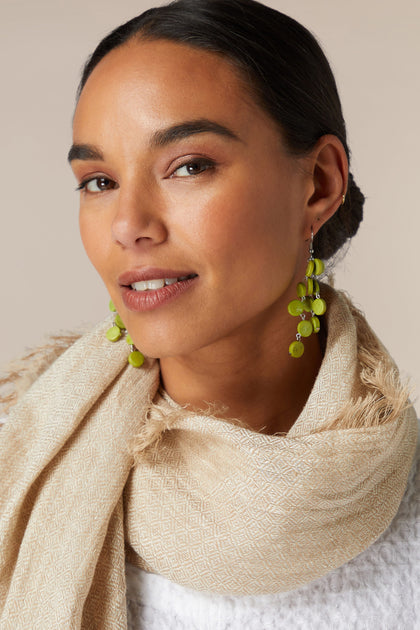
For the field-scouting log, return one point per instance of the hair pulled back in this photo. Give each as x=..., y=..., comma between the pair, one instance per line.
x=282, y=64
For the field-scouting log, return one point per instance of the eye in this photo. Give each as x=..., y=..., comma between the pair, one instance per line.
x=193, y=167
x=97, y=185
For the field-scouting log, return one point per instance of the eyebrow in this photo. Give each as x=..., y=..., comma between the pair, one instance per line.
x=190, y=128
x=160, y=138
x=84, y=152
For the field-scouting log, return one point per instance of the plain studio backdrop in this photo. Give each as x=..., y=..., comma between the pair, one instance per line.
x=48, y=284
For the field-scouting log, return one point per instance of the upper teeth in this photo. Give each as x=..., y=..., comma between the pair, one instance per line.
x=148, y=285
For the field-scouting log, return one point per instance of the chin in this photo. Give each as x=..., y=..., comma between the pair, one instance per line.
x=169, y=343
x=156, y=348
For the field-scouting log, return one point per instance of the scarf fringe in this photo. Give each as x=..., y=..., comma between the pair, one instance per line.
x=160, y=422
x=21, y=373
x=380, y=396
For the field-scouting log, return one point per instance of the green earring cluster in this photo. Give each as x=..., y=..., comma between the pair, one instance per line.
x=309, y=306
x=135, y=358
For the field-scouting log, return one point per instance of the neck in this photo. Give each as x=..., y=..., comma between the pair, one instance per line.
x=250, y=377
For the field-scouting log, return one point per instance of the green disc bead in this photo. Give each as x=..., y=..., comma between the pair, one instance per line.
x=113, y=334
x=310, y=284
x=316, y=287
x=310, y=268
x=319, y=266
x=305, y=328
x=295, y=307
x=129, y=340
x=296, y=349
x=307, y=305
x=301, y=289
x=136, y=359
x=119, y=322
x=316, y=324
x=111, y=306
x=319, y=306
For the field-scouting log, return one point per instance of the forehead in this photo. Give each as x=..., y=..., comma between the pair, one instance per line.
x=162, y=81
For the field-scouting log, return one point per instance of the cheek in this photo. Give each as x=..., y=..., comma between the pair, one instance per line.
x=248, y=227
x=254, y=249
x=94, y=239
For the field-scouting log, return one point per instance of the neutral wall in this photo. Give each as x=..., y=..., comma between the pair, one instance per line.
x=47, y=283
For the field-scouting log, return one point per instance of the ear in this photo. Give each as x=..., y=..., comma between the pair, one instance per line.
x=329, y=171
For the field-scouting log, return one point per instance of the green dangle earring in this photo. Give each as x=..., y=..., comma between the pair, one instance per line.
x=310, y=305
x=135, y=358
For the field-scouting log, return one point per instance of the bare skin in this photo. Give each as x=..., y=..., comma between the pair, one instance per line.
x=226, y=203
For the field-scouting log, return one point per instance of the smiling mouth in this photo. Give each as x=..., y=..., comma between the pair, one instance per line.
x=159, y=283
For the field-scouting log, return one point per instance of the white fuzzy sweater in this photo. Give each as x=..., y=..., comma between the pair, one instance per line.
x=377, y=590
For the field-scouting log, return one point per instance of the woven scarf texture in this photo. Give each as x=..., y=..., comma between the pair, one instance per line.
x=209, y=504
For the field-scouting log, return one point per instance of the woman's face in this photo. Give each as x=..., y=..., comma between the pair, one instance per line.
x=185, y=181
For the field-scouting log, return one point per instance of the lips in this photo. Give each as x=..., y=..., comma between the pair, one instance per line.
x=148, y=288
x=158, y=283
x=146, y=274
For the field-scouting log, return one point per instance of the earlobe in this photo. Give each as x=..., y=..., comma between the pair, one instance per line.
x=329, y=171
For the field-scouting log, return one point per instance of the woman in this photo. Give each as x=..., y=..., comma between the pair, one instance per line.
x=259, y=462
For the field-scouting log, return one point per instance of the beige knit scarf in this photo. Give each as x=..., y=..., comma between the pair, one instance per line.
x=210, y=504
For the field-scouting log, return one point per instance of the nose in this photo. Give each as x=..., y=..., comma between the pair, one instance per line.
x=137, y=219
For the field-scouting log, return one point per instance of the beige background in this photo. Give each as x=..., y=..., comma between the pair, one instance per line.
x=47, y=283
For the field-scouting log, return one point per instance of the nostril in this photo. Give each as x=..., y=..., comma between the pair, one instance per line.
x=133, y=228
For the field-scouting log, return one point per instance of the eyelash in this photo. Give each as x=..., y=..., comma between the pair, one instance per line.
x=204, y=163
x=201, y=162
x=82, y=186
